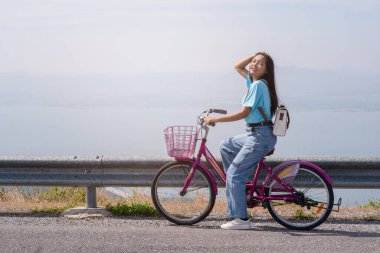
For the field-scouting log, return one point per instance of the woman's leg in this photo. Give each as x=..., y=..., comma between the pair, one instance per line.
x=229, y=149
x=242, y=166
x=238, y=172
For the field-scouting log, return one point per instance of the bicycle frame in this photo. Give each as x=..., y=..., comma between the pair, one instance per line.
x=203, y=150
x=252, y=187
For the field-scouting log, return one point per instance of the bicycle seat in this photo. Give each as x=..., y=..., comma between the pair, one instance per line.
x=270, y=152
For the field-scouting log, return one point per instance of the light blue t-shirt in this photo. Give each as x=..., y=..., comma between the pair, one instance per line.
x=257, y=95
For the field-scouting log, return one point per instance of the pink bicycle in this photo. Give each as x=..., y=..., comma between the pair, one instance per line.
x=297, y=194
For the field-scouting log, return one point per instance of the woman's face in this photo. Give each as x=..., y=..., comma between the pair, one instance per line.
x=257, y=67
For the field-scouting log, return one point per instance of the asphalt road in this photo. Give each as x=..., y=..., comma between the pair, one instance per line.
x=28, y=233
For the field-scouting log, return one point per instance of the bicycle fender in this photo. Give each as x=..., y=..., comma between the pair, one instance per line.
x=203, y=167
x=320, y=170
x=324, y=173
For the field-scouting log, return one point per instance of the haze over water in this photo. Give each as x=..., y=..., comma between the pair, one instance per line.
x=126, y=115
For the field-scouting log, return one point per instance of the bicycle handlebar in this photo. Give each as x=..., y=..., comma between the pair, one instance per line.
x=220, y=111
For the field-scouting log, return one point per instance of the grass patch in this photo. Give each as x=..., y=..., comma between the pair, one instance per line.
x=72, y=195
x=372, y=204
x=56, y=200
x=41, y=200
x=43, y=194
x=277, y=203
x=132, y=209
x=301, y=215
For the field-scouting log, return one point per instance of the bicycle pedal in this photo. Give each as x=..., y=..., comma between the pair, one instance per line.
x=251, y=202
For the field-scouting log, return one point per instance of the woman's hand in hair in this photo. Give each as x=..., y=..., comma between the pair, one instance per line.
x=240, y=66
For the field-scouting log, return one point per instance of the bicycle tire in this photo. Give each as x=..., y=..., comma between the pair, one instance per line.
x=297, y=217
x=189, y=209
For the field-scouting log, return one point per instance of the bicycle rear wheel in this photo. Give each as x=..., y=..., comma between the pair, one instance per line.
x=182, y=209
x=312, y=206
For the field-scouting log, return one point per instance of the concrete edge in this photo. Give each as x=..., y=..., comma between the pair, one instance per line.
x=84, y=212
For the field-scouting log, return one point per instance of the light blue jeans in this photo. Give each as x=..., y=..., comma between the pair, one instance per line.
x=240, y=156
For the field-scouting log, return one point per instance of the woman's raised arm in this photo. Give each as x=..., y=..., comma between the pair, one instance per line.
x=240, y=66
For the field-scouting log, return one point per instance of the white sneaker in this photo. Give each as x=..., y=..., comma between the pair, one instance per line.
x=237, y=224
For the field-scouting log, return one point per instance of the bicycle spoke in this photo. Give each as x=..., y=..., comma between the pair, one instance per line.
x=315, y=183
x=196, y=189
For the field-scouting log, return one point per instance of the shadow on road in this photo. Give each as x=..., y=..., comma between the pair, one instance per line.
x=323, y=230
x=314, y=232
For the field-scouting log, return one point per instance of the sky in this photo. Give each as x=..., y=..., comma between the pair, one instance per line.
x=145, y=36
x=92, y=77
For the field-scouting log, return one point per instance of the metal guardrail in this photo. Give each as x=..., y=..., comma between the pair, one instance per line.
x=99, y=171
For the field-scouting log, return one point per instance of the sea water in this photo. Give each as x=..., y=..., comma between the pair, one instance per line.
x=46, y=115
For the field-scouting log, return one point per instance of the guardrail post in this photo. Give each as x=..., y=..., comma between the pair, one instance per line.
x=91, y=197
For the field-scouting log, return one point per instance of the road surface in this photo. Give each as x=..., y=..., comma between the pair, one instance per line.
x=28, y=233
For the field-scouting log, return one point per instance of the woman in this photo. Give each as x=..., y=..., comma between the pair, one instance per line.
x=242, y=153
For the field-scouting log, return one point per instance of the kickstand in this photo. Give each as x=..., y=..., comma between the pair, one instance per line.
x=337, y=204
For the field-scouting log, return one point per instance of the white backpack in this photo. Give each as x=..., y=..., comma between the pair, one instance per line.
x=281, y=121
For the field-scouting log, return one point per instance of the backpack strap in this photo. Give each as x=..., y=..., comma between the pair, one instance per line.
x=287, y=112
x=263, y=114
x=287, y=115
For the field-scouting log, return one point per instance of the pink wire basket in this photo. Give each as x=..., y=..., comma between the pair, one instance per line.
x=181, y=140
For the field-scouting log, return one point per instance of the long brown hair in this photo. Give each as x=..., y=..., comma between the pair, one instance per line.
x=270, y=78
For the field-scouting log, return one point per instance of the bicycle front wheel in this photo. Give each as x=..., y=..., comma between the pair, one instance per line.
x=313, y=204
x=186, y=208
